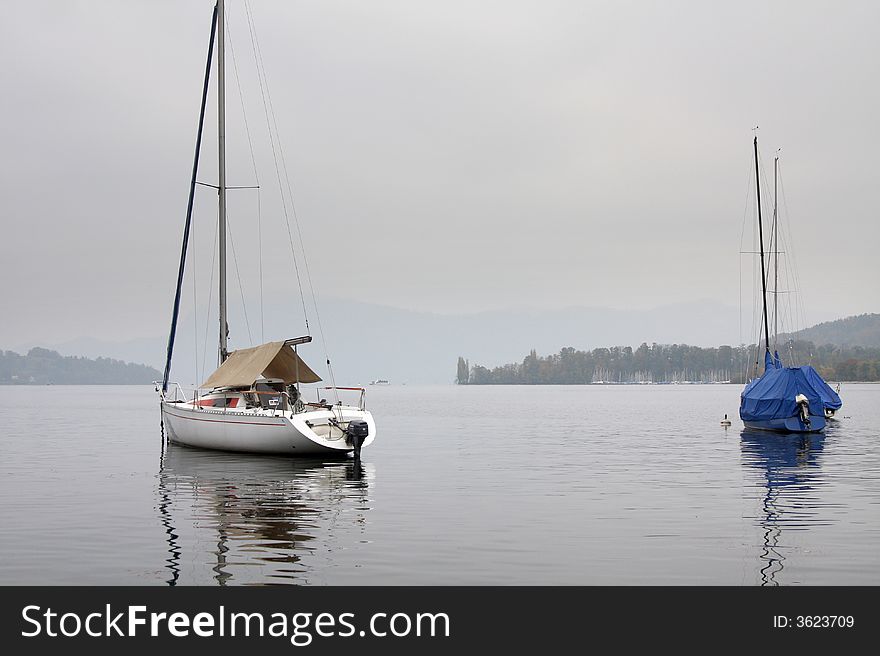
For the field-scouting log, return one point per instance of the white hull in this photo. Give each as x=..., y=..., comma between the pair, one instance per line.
x=248, y=431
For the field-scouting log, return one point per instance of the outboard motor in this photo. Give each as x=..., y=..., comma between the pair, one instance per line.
x=357, y=433
x=804, y=407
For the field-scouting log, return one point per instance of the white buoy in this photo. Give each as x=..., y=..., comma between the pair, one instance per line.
x=725, y=422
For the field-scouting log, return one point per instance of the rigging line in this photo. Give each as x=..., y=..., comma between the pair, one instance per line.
x=775, y=242
x=757, y=307
x=261, y=73
x=754, y=330
x=271, y=108
x=293, y=207
x=260, y=264
x=301, y=241
x=208, y=306
x=785, y=309
x=772, y=258
x=195, y=307
x=763, y=198
x=238, y=275
x=741, y=238
x=247, y=130
x=791, y=307
x=765, y=273
x=227, y=187
x=192, y=190
x=799, y=309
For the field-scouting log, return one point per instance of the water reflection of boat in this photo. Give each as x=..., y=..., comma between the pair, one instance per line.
x=242, y=518
x=791, y=473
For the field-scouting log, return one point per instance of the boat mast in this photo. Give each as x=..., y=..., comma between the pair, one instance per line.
x=775, y=257
x=761, y=239
x=221, y=148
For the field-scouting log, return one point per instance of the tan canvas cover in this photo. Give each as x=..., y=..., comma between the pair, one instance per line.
x=272, y=360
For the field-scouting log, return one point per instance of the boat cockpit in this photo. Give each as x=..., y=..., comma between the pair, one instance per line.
x=265, y=394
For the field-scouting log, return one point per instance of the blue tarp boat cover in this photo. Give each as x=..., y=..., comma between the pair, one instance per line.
x=772, y=396
x=829, y=396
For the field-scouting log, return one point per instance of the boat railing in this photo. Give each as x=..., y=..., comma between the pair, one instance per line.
x=179, y=394
x=362, y=400
x=286, y=402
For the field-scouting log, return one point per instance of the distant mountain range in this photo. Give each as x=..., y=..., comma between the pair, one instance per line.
x=368, y=342
x=44, y=367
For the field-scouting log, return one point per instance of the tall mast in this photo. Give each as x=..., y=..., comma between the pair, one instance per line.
x=761, y=239
x=775, y=256
x=221, y=147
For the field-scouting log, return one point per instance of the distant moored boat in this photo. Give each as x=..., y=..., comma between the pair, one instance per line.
x=784, y=399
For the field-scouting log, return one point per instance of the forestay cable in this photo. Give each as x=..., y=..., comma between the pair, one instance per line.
x=192, y=191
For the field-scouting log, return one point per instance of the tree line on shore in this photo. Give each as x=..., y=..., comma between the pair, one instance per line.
x=665, y=363
x=44, y=367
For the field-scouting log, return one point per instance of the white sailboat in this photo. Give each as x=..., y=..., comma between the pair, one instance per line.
x=253, y=401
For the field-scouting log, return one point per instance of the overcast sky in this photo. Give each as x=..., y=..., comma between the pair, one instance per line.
x=445, y=156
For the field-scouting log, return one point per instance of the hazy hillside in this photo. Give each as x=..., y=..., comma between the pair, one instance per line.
x=846, y=349
x=41, y=367
x=673, y=363
x=368, y=341
x=862, y=330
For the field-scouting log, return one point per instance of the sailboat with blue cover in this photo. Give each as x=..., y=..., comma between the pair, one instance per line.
x=783, y=399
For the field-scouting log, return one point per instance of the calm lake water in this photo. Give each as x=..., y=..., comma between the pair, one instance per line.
x=465, y=485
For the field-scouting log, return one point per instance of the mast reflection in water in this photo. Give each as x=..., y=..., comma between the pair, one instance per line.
x=243, y=519
x=790, y=475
